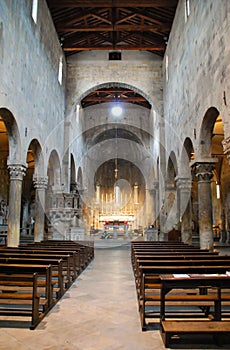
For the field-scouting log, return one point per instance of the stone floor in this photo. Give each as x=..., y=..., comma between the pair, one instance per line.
x=99, y=312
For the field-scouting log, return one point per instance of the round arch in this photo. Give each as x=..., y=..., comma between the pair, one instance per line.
x=172, y=168
x=54, y=171
x=113, y=85
x=187, y=155
x=206, y=130
x=15, y=150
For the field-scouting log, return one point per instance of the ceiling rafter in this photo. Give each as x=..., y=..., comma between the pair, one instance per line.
x=110, y=3
x=113, y=25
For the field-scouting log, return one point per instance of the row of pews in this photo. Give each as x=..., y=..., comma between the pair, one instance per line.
x=186, y=288
x=33, y=277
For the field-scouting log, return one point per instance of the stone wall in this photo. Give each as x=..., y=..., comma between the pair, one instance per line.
x=198, y=54
x=29, y=63
x=140, y=70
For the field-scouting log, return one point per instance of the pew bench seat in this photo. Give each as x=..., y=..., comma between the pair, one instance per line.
x=169, y=329
x=21, y=298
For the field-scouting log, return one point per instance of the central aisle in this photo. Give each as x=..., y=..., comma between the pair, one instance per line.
x=102, y=310
x=99, y=312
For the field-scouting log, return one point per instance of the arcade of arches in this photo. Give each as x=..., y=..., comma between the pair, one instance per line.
x=71, y=169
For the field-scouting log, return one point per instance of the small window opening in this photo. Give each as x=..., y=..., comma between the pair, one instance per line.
x=60, y=70
x=35, y=10
x=167, y=67
x=187, y=9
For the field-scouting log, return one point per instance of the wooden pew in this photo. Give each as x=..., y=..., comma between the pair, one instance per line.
x=216, y=327
x=150, y=286
x=44, y=271
x=85, y=251
x=57, y=280
x=18, y=302
x=74, y=264
x=64, y=277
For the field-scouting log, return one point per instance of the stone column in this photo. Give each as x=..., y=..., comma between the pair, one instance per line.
x=204, y=175
x=226, y=147
x=17, y=172
x=40, y=184
x=156, y=209
x=148, y=207
x=184, y=209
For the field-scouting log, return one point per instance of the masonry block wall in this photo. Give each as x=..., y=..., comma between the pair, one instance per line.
x=29, y=61
x=198, y=54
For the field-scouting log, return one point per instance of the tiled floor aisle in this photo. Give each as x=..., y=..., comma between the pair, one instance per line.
x=99, y=312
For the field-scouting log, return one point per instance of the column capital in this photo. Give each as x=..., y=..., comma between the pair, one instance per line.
x=226, y=147
x=204, y=170
x=17, y=171
x=170, y=185
x=40, y=182
x=183, y=183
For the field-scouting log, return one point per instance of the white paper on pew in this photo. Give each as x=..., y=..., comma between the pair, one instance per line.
x=228, y=273
x=215, y=275
x=181, y=275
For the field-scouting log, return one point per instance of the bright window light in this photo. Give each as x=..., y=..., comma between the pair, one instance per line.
x=60, y=71
x=35, y=10
x=116, y=111
x=217, y=191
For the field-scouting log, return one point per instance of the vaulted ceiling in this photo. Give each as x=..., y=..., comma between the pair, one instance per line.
x=113, y=24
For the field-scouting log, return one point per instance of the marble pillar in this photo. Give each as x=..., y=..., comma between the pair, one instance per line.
x=204, y=175
x=40, y=184
x=184, y=209
x=17, y=172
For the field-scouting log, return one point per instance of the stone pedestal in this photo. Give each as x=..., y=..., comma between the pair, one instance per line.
x=151, y=234
x=76, y=234
x=17, y=172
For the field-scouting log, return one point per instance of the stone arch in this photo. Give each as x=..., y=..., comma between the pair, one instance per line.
x=54, y=171
x=36, y=149
x=113, y=84
x=172, y=168
x=170, y=219
x=34, y=171
x=15, y=149
x=187, y=155
x=72, y=173
x=206, y=129
x=116, y=131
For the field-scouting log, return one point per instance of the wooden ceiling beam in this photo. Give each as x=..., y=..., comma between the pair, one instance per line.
x=117, y=28
x=112, y=99
x=112, y=3
x=116, y=47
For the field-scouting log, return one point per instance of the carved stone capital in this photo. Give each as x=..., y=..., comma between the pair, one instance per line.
x=17, y=171
x=204, y=171
x=226, y=147
x=40, y=182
